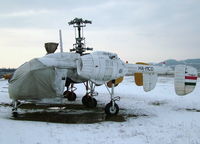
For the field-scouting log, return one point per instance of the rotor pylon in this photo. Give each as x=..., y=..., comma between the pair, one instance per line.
x=79, y=46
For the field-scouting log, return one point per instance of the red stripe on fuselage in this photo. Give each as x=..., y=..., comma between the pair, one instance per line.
x=191, y=77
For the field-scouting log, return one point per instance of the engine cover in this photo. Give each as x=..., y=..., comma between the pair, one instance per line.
x=100, y=67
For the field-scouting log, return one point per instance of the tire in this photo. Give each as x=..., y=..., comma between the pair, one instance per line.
x=92, y=103
x=15, y=114
x=71, y=96
x=66, y=93
x=89, y=101
x=84, y=100
x=110, y=111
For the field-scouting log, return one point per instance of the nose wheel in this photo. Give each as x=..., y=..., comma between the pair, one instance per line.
x=112, y=108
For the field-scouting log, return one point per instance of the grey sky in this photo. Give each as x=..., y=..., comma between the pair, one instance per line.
x=138, y=30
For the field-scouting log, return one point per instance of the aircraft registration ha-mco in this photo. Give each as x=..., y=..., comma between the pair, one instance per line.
x=50, y=75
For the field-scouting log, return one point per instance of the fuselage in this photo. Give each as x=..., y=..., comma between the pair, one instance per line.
x=47, y=76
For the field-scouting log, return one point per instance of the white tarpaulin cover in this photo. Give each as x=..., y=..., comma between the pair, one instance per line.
x=34, y=80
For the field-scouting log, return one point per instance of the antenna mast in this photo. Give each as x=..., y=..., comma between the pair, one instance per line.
x=79, y=46
x=61, y=43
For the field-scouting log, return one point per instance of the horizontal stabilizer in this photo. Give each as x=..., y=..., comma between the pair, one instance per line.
x=185, y=79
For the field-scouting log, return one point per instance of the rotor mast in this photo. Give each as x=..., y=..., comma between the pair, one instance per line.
x=79, y=46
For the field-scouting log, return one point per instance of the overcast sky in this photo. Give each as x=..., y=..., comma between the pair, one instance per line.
x=137, y=30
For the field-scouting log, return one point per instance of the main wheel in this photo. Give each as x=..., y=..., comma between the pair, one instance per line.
x=89, y=101
x=66, y=93
x=71, y=96
x=84, y=100
x=15, y=114
x=110, y=110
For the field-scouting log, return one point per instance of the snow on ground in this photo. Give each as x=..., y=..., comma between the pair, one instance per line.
x=170, y=119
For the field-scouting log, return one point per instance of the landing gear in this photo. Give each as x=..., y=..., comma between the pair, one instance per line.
x=112, y=108
x=71, y=96
x=69, y=93
x=88, y=99
x=15, y=105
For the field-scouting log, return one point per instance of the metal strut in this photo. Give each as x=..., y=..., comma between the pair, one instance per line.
x=15, y=105
x=71, y=87
x=112, y=108
x=90, y=88
x=69, y=93
x=88, y=99
x=112, y=93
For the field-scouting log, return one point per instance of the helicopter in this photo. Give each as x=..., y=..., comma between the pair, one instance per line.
x=47, y=76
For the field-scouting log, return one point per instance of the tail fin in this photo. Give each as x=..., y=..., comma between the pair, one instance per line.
x=139, y=76
x=185, y=79
x=138, y=79
x=147, y=80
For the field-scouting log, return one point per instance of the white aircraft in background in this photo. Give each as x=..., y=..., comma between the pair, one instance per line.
x=46, y=77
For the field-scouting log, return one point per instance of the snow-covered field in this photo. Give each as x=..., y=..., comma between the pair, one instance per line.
x=170, y=119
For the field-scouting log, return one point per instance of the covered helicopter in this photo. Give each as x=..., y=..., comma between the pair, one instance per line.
x=46, y=77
